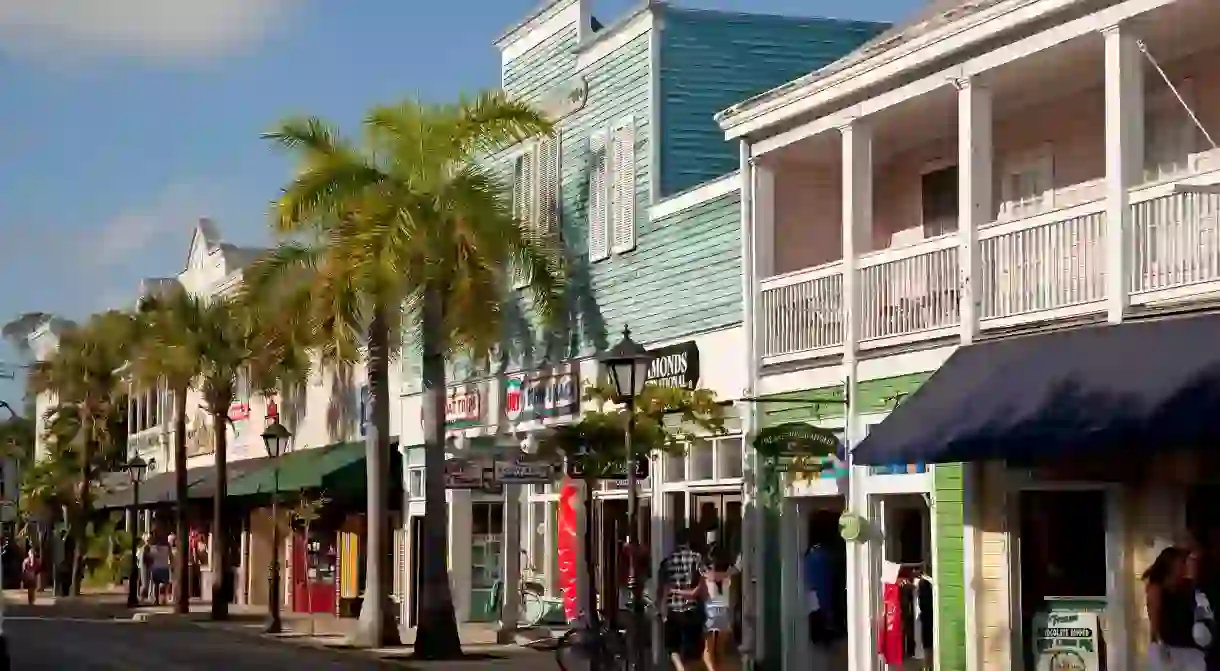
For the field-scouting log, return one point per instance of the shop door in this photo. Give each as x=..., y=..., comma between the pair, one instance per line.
x=717, y=518
x=417, y=542
x=612, y=532
x=314, y=587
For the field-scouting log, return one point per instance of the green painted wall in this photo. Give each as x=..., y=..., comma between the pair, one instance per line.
x=878, y=396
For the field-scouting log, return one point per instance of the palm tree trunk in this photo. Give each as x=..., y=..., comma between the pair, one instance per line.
x=437, y=636
x=80, y=529
x=378, y=624
x=220, y=535
x=182, y=578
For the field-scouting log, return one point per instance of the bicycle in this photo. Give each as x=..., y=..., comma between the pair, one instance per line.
x=533, y=605
x=583, y=648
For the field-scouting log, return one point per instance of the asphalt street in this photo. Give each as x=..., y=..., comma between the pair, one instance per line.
x=46, y=642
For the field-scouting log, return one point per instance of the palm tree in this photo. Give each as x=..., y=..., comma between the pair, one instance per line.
x=85, y=375
x=168, y=352
x=411, y=228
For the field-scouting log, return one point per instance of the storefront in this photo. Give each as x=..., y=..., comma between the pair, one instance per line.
x=1085, y=457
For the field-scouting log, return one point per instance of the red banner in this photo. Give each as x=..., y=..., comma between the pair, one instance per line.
x=569, y=543
x=889, y=644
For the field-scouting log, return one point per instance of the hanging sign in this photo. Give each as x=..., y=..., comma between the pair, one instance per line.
x=1067, y=641
x=553, y=393
x=797, y=446
x=675, y=366
x=606, y=469
x=463, y=407
x=463, y=474
x=568, y=543
x=524, y=471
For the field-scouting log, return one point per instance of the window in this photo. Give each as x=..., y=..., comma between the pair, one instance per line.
x=1169, y=134
x=675, y=467
x=415, y=483
x=1027, y=184
x=538, y=537
x=612, y=190
x=728, y=458
x=938, y=198
x=707, y=459
x=536, y=182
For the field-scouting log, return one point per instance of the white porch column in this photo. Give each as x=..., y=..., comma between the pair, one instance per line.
x=510, y=564
x=974, y=160
x=857, y=229
x=1124, y=158
x=751, y=558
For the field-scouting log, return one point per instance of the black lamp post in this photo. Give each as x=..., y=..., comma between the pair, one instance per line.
x=626, y=364
x=275, y=439
x=135, y=468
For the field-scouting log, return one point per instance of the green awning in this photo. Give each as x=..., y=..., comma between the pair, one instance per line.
x=335, y=467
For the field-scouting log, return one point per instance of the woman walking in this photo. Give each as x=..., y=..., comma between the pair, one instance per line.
x=160, y=572
x=1179, y=615
x=717, y=588
x=30, y=570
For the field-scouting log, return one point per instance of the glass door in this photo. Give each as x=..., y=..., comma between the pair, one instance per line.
x=486, y=557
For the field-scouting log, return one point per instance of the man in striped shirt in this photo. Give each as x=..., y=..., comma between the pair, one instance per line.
x=681, y=576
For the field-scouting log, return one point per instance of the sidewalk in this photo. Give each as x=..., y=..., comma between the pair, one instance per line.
x=320, y=631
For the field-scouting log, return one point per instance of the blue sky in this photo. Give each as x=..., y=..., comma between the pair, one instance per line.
x=123, y=121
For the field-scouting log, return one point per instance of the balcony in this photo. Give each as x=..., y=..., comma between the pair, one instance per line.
x=1036, y=269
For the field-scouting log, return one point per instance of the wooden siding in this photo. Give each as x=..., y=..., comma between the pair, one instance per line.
x=711, y=60
x=532, y=74
x=995, y=620
x=949, y=571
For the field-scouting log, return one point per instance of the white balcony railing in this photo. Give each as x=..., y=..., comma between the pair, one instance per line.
x=802, y=311
x=1049, y=266
x=1175, y=239
x=909, y=289
x=1046, y=262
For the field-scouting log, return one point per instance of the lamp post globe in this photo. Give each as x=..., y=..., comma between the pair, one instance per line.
x=275, y=439
x=626, y=365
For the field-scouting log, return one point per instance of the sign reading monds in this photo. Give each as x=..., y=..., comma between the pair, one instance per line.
x=548, y=393
x=675, y=365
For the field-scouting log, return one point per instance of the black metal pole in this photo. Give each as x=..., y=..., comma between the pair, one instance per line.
x=275, y=626
x=133, y=576
x=591, y=618
x=635, y=578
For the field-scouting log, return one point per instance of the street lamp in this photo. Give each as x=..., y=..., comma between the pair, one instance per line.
x=275, y=439
x=135, y=468
x=626, y=364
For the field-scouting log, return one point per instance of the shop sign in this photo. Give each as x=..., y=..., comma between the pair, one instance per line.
x=463, y=407
x=801, y=447
x=524, y=471
x=568, y=542
x=567, y=98
x=675, y=366
x=1067, y=641
x=239, y=412
x=463, y=474
x=607, y=470
x=538, y=395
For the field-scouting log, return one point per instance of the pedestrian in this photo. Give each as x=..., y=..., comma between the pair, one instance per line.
x=681, y=583
x=1179, y=615
x=718, y=589
x=160, y=572
x=30, y=569
x=144, y=569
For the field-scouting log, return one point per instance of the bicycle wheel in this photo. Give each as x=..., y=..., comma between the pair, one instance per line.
x=584, y=650
x=532, y=609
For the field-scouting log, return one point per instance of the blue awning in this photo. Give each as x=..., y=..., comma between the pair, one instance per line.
x=1147, y=385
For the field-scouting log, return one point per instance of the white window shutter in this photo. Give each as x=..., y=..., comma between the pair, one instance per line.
x=548, y=185
x=599, y=168
x=524, y=204
x=622, y=218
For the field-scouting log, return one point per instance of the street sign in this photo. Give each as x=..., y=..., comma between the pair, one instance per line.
x=616, y=470
x=463, y=474
x=525, y=471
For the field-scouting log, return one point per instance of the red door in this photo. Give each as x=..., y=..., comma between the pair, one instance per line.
x=314, y=587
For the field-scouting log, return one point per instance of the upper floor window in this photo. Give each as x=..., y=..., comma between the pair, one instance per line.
x=938, y=201
x=536, y=181
x=1027, y=184
x=612, y=190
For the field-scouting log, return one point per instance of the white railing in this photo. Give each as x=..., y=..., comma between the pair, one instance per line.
x=1175, y=239
x=1049, y=261
x=802, y=311
x=909, y=289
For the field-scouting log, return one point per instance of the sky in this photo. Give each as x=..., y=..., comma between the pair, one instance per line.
x=124, y=121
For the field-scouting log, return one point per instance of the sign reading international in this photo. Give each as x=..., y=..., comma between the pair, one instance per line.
x=675, y=366
x=542, y=394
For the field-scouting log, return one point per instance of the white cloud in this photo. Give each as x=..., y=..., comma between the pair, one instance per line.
x=163, y=30
x=134, y=230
